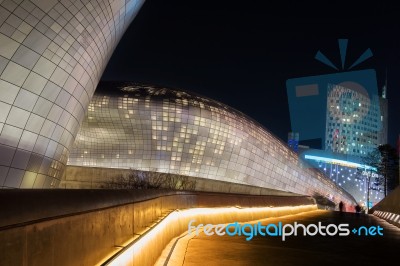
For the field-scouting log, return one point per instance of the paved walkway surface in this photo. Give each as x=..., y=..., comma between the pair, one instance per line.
x=295, y=250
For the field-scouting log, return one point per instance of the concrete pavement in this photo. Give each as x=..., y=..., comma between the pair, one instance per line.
x=295, y=250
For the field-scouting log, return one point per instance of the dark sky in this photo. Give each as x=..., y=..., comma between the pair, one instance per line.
x=242, y=52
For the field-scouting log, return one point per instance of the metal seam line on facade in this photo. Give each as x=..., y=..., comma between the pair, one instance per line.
x=52, y=55
x=172, y=131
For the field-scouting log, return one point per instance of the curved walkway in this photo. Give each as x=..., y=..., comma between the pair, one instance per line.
x=191, y=250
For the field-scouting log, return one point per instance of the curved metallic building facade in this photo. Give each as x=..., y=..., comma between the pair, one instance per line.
x=171, y=131
x=52, y=55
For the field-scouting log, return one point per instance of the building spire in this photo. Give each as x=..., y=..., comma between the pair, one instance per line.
x=384, y=89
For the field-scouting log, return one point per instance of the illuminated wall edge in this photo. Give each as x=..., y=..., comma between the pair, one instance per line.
x=147, y=248
x=172, y=131
x=52, y=55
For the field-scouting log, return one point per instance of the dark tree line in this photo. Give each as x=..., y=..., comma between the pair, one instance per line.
x=386, y=177
x=137, y=179
x=388, y=168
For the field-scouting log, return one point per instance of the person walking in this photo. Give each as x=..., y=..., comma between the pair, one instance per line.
x=341, y=206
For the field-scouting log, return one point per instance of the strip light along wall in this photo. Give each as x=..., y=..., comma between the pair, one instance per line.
x=340, y=162
x=146, y=249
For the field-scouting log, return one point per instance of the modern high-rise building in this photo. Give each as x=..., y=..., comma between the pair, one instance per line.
x=293, y=141
x=353, y=124
x=344, y=111
x=383, y=103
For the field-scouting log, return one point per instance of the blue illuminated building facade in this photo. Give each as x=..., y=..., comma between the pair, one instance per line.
x=345, y=119
x=347, y=173
x=354, y=126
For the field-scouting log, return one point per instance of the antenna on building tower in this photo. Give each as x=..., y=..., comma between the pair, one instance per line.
x=384, y=89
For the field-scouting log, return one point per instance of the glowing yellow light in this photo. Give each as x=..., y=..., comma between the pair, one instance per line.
x=176, y=223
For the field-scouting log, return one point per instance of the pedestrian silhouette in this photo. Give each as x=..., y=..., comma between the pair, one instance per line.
x=358, y=210
x=341, y=206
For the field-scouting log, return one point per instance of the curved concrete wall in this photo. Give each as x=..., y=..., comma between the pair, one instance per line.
x=52, y=55
x=389, y=207
x=391, y=203
x=171, y=131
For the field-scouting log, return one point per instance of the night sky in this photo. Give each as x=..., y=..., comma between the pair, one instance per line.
x=242, y=52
